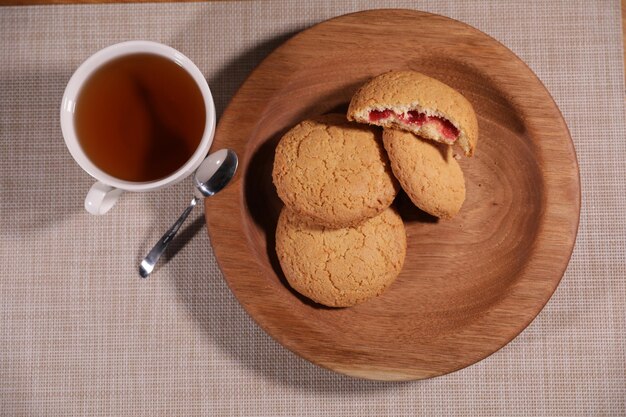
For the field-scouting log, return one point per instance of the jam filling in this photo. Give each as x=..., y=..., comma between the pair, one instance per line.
x=416, y=118
x=376, y=115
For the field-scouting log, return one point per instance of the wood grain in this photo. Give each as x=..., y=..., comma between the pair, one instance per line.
x=469, y=285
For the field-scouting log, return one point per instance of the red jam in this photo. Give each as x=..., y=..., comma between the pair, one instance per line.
x=414, y=117
x=446, y=128
x=376, y=115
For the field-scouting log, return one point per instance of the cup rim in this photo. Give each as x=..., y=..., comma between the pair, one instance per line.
x=95, y=61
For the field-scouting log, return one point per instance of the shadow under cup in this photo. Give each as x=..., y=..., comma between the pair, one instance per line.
x=136, y=116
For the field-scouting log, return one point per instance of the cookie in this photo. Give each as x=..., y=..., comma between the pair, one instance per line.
x=427, y=171
x=419, y=104
x=341, y=267
x=333, y=172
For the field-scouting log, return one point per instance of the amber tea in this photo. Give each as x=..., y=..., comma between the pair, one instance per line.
x=140, y=117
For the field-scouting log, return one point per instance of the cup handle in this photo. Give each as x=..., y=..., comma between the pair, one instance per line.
x=101, y=198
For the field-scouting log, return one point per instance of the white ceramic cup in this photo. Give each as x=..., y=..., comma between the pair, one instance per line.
x=104, y=193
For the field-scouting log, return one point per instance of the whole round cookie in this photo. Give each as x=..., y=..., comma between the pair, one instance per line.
x=427, y=172
x=341, y=267
x=333, y=172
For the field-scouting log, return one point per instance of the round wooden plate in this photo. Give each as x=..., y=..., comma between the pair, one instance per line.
x=469, y=285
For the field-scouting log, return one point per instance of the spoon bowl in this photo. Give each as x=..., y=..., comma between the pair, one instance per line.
x=215, y=172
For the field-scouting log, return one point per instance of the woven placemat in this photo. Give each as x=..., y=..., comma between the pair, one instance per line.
x=80, y=334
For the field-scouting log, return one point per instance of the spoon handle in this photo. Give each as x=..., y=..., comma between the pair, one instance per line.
x=148, y=263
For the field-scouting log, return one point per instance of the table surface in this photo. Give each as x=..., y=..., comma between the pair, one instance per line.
x=31, y=2
x=80, y=334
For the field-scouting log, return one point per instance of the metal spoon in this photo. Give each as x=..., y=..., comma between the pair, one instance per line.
x=213, y=174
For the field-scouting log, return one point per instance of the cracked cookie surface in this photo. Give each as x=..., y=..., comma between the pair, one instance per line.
x=427, y=172
x=341, y=267
x=333, y=172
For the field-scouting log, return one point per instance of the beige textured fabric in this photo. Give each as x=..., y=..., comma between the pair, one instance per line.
x=80, y=334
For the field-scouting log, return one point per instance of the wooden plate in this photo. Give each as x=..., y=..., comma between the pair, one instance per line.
x=469, y=285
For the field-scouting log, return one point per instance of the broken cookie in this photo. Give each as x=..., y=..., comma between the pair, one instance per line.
x=414, y=102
